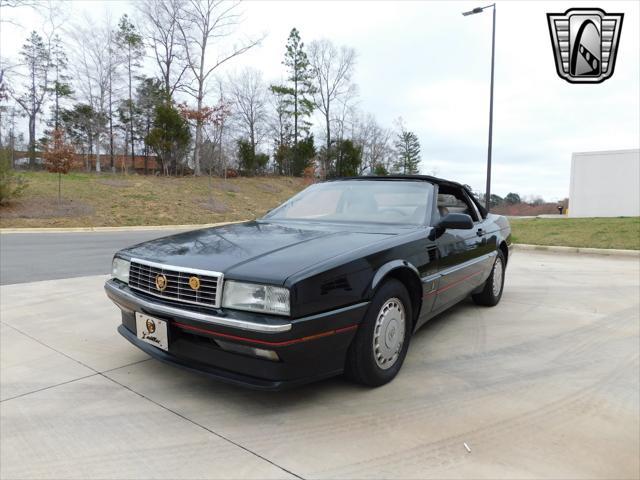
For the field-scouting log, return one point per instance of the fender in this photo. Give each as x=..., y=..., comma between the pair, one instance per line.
x=387, y=268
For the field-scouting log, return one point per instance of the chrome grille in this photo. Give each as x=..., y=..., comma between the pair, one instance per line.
x=143, y=274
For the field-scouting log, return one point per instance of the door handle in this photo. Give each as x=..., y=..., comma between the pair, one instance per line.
x=480, y=232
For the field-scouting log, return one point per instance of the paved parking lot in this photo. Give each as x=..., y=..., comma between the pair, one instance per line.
x=545, y=385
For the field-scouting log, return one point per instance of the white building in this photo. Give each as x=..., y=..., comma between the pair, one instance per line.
x=605, y=184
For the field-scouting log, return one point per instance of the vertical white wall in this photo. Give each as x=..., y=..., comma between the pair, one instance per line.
x=605, y=184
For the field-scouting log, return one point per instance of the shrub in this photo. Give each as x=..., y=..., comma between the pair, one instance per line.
x=12, y=184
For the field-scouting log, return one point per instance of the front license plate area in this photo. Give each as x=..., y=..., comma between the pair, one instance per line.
x=152, y=330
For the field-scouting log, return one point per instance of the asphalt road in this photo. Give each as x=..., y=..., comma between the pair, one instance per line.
x=30, y=257
x=544, y=385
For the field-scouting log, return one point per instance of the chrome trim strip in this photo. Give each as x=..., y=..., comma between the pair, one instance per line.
x=163, y=266
x=455, y=268
x=468, y=263
x=211, y=273
x=116, y=293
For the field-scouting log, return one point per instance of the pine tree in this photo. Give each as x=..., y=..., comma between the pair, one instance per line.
x=408, y=151
x=35, y=56
x=61, y=87
x=298, y=91
x=132, y=48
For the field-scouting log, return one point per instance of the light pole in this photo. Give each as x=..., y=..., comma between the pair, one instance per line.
x=487, y=198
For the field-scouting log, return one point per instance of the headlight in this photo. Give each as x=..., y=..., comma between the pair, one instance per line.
x=256, y=298
x=120, y=269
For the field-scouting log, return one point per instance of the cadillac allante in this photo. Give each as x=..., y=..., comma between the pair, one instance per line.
x=335, y=280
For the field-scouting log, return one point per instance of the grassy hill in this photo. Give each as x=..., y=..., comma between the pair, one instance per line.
x=91, y=200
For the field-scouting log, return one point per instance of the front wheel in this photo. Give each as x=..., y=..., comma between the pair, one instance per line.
x=492, y=290
x=379, y=348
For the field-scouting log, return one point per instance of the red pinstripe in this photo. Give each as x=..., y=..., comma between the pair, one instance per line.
x=265, y=342
x=451, y=285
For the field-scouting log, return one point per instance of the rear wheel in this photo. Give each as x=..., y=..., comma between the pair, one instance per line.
x=492, y=290
x=379, y=348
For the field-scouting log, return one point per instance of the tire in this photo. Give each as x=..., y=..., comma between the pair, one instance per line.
x=492, y=291
x=375, y=355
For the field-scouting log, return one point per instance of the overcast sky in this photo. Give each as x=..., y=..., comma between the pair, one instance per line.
x=425, y=62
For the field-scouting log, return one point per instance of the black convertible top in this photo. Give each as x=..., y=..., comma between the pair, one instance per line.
x=425, y=178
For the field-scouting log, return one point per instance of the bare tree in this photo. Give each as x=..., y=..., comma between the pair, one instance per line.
x=204, y=24
x=161, y=29
x=93, y=72
x=332, y=69
x=375, y=141
x=248, y=93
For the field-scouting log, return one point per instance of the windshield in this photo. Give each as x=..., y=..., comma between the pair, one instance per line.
x=367, y=201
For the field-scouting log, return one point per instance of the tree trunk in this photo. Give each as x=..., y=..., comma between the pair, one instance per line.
x=59, y=189
x=113, y=167
x=98, y=154
x=326, y=159
x=32, y=141
x=198, y=139
x=133, y=164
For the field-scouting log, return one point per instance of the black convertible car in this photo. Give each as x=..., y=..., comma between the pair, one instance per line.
x=334, y=280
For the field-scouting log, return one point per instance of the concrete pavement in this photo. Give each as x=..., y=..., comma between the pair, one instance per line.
x=545, y=385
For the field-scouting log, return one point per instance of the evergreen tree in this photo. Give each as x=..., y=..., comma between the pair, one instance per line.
x=149, y=94
x=170, y=136
x=408, y=153
x=250, y=162
x=301, y=155
x=61, y=87
x=35, y=57
x=132, y=49
x=512, y=198
x=348, y=159
x=299, y=90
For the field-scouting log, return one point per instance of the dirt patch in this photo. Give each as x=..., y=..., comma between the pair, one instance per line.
x=267, y=187
x=226, y=187
x=115, y=183
x=215, y=206
x=42, y=207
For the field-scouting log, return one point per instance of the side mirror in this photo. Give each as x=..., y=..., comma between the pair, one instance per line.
x=459, y=221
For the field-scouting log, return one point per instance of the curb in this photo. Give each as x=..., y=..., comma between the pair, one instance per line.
x=114, y=229
x=582, y=250
x=518, y=246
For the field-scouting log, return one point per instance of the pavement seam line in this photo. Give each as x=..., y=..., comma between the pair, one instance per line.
x=222, y=437
x=103, y=375
x=50, y=386
x=49, y=346
x=75, y=380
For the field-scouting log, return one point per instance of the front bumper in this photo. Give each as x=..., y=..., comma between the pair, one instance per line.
x=309, y=348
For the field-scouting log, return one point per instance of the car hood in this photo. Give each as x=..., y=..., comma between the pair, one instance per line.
x=257, y=251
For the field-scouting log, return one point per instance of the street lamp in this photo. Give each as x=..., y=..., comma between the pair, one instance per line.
x=493, y=56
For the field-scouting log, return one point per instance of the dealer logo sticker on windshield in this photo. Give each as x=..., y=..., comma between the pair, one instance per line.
x=585, y=43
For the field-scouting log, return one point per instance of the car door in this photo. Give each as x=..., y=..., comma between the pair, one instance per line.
x=461, y=253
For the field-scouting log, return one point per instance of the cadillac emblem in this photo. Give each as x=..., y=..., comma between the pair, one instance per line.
x=194, y=283
x=585, y=43
x=151, y=326
x=161, y=282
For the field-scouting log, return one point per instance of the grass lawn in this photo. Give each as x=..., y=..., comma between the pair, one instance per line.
x=92, y=200
x=579, y=232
